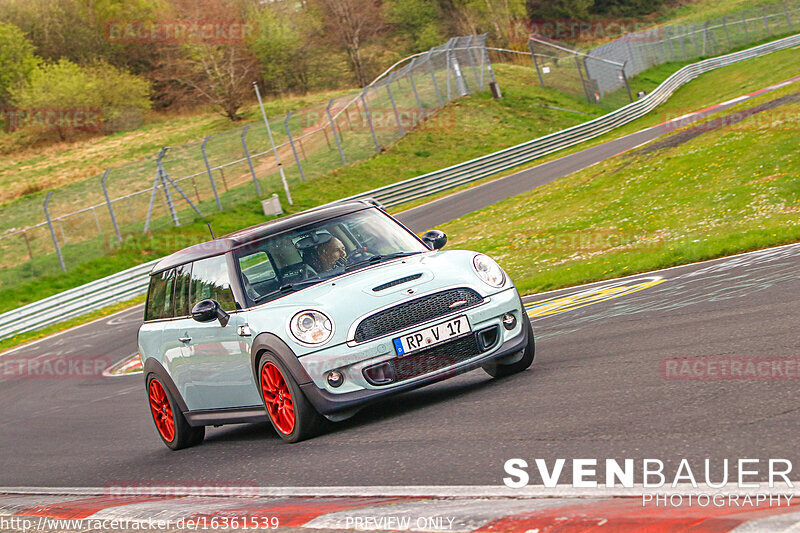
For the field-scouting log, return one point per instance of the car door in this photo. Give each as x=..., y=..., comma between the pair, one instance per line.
x=218, y=358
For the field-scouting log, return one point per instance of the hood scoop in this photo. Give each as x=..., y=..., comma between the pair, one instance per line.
x=395, y=283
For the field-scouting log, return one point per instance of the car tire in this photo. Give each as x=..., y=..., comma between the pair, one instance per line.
x=291, y=414
x=170, y=423
x=501, y=371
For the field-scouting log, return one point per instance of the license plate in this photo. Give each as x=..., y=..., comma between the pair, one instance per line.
x=431, y=336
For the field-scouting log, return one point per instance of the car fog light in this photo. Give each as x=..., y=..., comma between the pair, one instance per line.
x=335, y=378
x=509, y=321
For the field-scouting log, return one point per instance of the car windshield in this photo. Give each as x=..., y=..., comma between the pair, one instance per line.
x=296, y=259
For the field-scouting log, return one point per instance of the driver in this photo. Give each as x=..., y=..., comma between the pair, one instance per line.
x=329, y=255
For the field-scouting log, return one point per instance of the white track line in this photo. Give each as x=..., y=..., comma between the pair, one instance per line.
x=533, y=297
x=107, y=317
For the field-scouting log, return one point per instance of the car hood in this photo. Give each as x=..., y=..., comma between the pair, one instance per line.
x=347, y=298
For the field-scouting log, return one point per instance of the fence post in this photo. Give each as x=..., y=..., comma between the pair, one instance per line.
x=671, y=44
x=394, y=107
x=433, y=78
x=210, y=174
x=160, y=173
x=471, y=52
x=788, y=16
x=683, y=46
x=744, y=25
x=764, y=14
x=727, y=33
x=447, y=67
x=27, y=243
x=274, y=150
x=369, y=121
x=108, y=203
x=483, y=63
x=414, y=88
x=250, y=161
x=291, y=142
x=695, y=39
x=589, y=99
x=535, y=63
x=152, y=201
x=333, y=129
x=53, y=231
x=625, y=79
x=458, y=77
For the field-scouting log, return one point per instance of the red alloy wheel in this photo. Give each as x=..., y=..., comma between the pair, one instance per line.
x=277, y=398
x=162, y=412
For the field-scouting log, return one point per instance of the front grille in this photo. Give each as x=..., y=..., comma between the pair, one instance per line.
x=415, y=312
x=424, y=361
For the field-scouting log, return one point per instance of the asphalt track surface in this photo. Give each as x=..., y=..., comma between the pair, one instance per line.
x=596, y=390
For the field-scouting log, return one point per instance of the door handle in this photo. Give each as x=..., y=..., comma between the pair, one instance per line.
x=184, y=339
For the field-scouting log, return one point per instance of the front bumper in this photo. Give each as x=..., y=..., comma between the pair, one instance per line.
x=352, y=361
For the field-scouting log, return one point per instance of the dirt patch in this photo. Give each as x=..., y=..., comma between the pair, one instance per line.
x=721, y=122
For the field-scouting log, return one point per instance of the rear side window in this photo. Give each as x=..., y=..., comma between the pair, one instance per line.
x=183, y=276
x=159, y=295
x=210, y=280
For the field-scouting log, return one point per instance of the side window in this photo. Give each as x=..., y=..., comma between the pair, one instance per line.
x=182, y=278
x=159, y=296
x=210, y=279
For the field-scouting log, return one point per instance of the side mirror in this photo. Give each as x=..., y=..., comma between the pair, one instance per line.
x=435, y=239
x=208, y=310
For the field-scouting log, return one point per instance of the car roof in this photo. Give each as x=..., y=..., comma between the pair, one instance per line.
x=241, y=237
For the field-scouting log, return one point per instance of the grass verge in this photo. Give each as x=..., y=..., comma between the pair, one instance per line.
x=728, y=190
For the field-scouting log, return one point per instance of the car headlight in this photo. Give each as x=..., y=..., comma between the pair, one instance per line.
x=311, y=327
x=489, y=271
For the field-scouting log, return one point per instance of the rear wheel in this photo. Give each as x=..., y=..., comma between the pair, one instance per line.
x=500, y=371
x=170, y=423
x=291, y=414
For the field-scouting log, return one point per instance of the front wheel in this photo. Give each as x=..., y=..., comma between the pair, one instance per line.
x=501, y=371
x=291, y=414
x=172, y=426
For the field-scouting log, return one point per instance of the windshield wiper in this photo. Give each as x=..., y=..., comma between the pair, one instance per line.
x=375, y=259
x=289, y=287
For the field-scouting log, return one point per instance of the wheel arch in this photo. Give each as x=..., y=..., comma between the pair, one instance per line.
x=271, y=343
x=154, y=368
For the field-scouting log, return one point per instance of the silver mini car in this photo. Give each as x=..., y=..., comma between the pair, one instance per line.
x=304, y=319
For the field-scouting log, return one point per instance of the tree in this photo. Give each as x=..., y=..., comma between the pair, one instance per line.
x=17, y=61
x=417, y=21
x=285, y=44
x=217, y=74
x=350, y=24
x=66, y=86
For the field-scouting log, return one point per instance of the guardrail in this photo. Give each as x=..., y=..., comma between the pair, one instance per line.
x=133, y=282
x=75, y=302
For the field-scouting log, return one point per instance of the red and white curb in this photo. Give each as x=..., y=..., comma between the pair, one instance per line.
x=457, y=509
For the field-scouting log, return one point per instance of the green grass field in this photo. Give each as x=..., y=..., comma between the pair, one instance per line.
x=728, y=190
x=516, y=118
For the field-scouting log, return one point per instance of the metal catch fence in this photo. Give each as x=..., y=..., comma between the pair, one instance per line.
x=83, y=220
